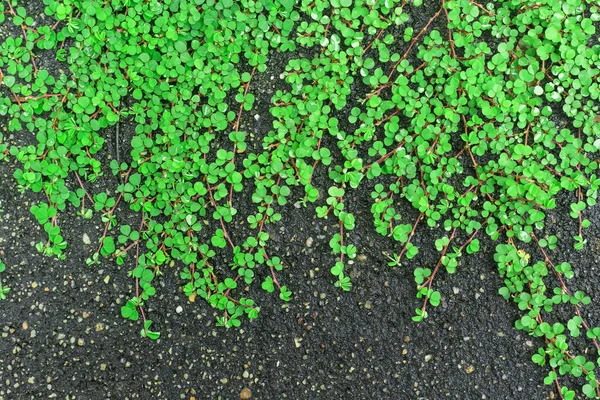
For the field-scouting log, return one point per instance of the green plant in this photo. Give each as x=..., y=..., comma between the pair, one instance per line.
x=3, y=290
x=453, y=124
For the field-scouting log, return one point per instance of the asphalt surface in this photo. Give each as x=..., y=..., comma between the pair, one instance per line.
x=62, y=335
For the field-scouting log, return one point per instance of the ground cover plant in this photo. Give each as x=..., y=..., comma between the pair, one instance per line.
x=478, y=119
x=3, y=290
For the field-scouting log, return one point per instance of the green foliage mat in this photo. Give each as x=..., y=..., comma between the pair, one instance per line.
x=478, y=118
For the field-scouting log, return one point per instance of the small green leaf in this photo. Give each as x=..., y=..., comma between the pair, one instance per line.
x=9, y=81
x=108, y=246
x=435, y=298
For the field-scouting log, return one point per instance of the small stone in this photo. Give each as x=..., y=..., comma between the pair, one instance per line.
x=455, y=290
x=25, y=325
x=80, y=342
x=179, y=309
x=404, y=352
x=368, y=304
x=99, y=327
x=224, y=381
x=245, y=394
x=469, y=369
x=428, y=357
x=102, y=367
x=245, y=374
x=107, y=279
x=34, y=285
x=256, y=117
x=86, y=314
x=309, y=242
x=86, y=239
x=406, y=339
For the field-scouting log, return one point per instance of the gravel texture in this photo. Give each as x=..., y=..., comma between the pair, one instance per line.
x=62, y=335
